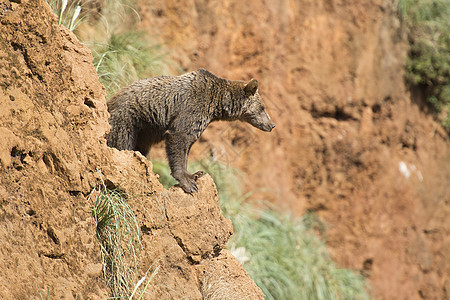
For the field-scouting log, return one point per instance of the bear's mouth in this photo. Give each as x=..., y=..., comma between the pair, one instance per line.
x=267, y=127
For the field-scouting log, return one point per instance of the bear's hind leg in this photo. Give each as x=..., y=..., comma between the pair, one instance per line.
x=122, y=136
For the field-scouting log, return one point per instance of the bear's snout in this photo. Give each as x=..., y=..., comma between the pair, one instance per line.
x=270, y=127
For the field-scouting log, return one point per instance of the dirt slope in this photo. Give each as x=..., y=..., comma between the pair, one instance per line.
x=349, y=144
x=52, y=121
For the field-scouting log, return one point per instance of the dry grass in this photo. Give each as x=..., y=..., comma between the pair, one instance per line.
x=119, y=236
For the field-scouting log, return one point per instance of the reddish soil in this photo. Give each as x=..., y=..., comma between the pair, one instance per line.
x=331, y=73
x=53, y=119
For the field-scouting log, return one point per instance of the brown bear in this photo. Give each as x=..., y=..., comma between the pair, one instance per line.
x=178, y=109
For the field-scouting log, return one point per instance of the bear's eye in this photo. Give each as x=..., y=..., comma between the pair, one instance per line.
x=262, y=108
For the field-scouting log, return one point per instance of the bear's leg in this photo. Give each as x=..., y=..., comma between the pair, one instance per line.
x=177, y=148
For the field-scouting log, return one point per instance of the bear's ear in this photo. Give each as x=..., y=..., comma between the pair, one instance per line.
x=251, y=87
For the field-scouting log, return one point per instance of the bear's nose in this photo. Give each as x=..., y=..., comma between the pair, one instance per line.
x=272, y=125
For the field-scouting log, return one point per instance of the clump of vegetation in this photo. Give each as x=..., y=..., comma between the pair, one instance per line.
x=121, y=53
x=119, y=237
x=281, y=253
x=68, y=14
x=288, y=261
x=124, y=58
x=428, y=64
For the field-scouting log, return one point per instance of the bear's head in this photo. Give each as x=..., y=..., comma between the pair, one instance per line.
x=255, y=112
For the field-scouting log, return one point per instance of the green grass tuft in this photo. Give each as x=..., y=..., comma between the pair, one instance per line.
x=68, y=13
x=288, y=261
x=119, y=237
x=121, y=54
x=124, y=58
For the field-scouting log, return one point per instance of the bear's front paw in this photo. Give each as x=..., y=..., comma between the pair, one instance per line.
x=189, y=185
